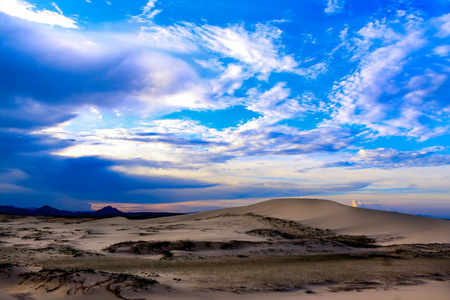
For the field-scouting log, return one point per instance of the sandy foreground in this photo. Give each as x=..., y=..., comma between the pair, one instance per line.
x=283, y=249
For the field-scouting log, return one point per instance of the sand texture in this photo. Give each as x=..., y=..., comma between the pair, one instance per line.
x=283, y=248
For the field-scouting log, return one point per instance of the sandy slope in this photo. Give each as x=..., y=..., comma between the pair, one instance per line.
x=266, y=263
x=387, y=227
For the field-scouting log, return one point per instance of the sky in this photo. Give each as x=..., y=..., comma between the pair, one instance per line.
x=195, y=105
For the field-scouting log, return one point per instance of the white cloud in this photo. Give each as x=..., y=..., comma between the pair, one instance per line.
x=442, y=23
x=148, y=12
x=335, y=6
x=189, y=144
x=381, y=93
x=230, y=80
x=57, y=8
x=443, y=50
x=255, y=54
x=169, y=143
x=95, y=111
x=263, y=137
x=176, y=38
x=415, y=106
x=260, y=50
x=194, y=98
x=127, y=74
x=401, y=13
x=359, y=95
x=274, y=103
x=374, y=32
x=183, y=128
x=392, y=158
x=27, y=11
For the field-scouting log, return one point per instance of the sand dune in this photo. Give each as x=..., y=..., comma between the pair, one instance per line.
x=308, y=247
x=386, y=227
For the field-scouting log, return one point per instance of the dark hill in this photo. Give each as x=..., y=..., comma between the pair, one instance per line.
x=105, y=212
x=51, y=211
x=108, y=210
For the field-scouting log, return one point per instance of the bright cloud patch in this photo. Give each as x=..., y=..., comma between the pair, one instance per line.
x=335, y=6
x=259, y=50
x=24, y=10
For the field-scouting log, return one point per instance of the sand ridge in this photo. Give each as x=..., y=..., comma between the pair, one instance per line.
x=303, y=247
x=388, y=227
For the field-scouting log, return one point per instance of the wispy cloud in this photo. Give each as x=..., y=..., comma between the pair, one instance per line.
x=260, y=50
x=57, y=8
x=442, y=50
x=367, y=96
x=442, y=23
x=392, y=158
x=148, y=12
x=274, y=103
x=198, y=144
x=441, y=210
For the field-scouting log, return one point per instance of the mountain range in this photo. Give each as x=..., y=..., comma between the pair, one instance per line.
x=105, y=212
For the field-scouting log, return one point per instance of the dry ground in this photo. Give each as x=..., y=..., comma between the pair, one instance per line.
x=204, y=253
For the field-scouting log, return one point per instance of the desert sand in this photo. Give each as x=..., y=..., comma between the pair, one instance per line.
x=282, y=248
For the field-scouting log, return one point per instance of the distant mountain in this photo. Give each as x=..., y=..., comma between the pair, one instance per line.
x=50, y=211
x=14, y=210
x=105, y=212
x=42, y=211
x=108, y=210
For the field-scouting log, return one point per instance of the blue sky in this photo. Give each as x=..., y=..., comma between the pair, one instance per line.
x=192, y=105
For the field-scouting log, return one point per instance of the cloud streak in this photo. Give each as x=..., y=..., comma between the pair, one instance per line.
x=392, y=158
x=148, y=12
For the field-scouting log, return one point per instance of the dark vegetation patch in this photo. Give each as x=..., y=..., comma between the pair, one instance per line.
x=81, y=281
x=356, y=241
x=5, y=266
x=5, y=233
x=161, y=247
x=65, y=250
x=271, y=233
x=295, y=233
x=291, y=230
x=5, y=270
x=418, y=250
x=357, y=286
x=294, y=230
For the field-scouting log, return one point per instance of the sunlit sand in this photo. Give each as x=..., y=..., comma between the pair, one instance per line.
x=284, y=248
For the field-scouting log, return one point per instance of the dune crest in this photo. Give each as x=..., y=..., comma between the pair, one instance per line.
x=387, y=227
x=276, y=245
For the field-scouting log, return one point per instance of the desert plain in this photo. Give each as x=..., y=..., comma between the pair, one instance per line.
x=277, y=249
